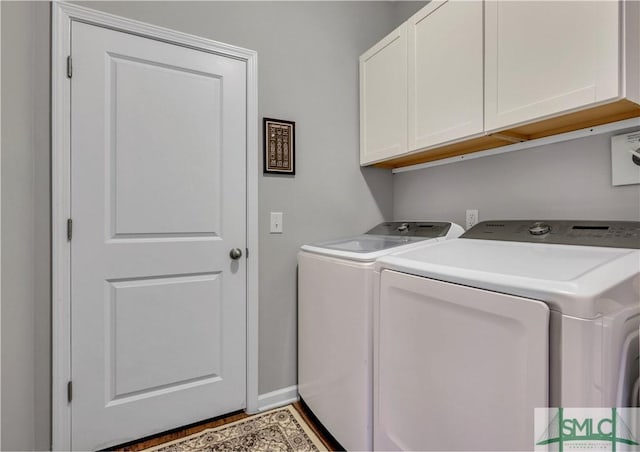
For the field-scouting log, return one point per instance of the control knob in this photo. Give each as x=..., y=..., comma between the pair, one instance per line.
x=539, y=228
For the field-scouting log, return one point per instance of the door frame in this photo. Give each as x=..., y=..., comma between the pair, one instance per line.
x=63, y=14
x=0, y=227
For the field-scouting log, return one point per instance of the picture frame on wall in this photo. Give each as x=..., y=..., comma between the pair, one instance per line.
x=279, y=146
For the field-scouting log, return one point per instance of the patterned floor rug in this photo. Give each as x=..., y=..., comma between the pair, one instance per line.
x=279, y=430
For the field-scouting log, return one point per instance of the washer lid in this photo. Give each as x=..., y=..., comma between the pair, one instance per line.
x=363, y=247
x=385, y=238
x=571, y=279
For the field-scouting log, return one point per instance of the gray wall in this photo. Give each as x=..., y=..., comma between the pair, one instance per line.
x=570, y=180
x=402, y=10
x=25, y=226
x=307, y=63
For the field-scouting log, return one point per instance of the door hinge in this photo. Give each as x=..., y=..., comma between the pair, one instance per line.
x=69, y=67
x=247, y=254
x=69, y=392
x=69, y=229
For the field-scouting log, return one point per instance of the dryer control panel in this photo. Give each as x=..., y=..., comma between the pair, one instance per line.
x=614, y=234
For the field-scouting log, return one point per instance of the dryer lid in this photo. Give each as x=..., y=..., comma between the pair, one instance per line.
x=575, y=280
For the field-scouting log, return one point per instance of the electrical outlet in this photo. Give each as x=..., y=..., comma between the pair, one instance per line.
x=276, y=223
x=472, y=218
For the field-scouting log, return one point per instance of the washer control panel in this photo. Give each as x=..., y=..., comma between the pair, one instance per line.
x=428, y=229
x=615, y=234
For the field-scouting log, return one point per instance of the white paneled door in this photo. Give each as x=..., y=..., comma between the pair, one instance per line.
x=158, y=149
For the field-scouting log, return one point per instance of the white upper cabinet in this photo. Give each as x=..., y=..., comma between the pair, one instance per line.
x=445, y=83
x=545, y=58
x=463, y=76
x=383, y=98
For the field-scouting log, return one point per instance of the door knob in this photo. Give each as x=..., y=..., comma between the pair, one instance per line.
x=235, y=253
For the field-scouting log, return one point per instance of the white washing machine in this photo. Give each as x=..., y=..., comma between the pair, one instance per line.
x=335, y=286
x=472, y=334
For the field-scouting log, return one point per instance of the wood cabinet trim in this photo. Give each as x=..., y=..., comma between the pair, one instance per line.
x=591, y=117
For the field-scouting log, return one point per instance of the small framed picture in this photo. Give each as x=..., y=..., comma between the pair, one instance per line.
x=279, y=146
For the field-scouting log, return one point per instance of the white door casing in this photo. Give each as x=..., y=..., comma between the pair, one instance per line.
x=155, y=216
x=0, y=232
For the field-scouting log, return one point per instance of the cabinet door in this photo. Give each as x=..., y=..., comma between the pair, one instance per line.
x=548, y=58
x=383, y=98
x=445, y=73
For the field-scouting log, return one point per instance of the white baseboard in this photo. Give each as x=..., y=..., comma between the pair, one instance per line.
x=278, y=398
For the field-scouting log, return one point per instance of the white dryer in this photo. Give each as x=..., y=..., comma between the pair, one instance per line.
x=335, y=297
x=472, y=334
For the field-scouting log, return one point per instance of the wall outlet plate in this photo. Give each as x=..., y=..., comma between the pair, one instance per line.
x=471, y=218
x=624, y=171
